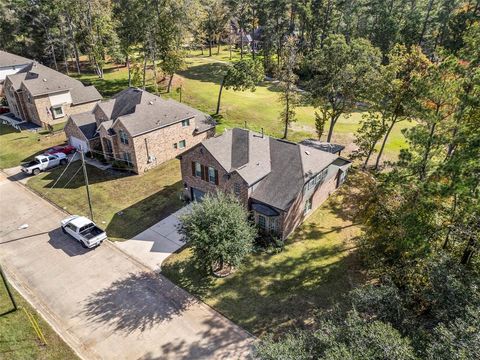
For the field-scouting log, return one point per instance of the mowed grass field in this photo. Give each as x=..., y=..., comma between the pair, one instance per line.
x=19, y=146
x=123, y=204
x=200, y=83
x=18, y=339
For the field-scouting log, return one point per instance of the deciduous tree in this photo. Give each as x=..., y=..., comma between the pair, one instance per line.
x=218, y=231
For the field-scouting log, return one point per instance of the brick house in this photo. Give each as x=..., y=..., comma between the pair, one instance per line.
x=10, y=64
x=46, y=97
x=280, y=182
x=139, y=129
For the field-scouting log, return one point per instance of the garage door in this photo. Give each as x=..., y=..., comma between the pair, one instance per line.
x=197, y=195
x=79, y=144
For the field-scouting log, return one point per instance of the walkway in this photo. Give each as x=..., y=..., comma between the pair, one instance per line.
x=155, y=244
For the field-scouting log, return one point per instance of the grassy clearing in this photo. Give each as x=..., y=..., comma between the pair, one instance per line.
x=200, y=83
x=124, y=205
x=273, y=291
x=16, y=146
x=18, y=340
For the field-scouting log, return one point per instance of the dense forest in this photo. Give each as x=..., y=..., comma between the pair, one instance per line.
x=398, y=60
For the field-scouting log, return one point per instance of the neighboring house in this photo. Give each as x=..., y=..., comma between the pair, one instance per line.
x=139, y=129
x=10, y=64
x=279, y=181
x=245, y=38
x=45, y=97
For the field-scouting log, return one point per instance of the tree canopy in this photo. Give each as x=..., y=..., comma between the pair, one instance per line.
x=218, y=231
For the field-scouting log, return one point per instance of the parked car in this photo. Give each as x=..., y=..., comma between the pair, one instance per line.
x=66, y=149
x=83, y=230
x=4, y=109
x=44, y=162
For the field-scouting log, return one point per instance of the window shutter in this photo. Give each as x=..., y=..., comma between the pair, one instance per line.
x=193, y=168
x=216, y=177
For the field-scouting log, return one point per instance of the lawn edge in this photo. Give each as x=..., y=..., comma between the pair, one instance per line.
x=75, y=346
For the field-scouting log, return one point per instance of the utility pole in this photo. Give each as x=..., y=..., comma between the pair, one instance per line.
x=8, y=290
x=86, y=183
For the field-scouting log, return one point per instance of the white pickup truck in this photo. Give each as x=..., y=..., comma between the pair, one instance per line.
x=83, y=230
x=44, y=162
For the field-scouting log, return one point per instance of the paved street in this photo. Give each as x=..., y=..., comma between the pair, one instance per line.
x=104, y=303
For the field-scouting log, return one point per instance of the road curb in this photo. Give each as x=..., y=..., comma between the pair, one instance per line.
x=73, y=343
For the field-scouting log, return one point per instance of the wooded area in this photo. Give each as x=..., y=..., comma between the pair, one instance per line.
x=395, y=60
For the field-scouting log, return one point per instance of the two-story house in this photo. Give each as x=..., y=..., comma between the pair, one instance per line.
x=46, y=97
x=10, y=64
x=280, y=182
x=139, y=129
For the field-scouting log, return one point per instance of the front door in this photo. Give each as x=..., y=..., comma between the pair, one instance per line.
x=197, y=195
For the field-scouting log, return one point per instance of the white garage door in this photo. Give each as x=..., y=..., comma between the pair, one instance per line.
x=79, y=144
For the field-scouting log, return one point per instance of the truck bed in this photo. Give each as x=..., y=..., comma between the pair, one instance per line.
x=91, y=232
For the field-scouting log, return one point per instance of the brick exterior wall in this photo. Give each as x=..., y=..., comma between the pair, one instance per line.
x=71, y=129
x=287, y=221
x=35, y=110
x=10, y=95
x=159, y=144
x=39, y=115
x=295, y=215
x=225, y=182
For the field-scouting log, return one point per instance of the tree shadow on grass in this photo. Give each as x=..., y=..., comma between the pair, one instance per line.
x=138, y=217
x=352, y=200
x=211, y=72
x=73, y=177
x=271, y=293
x=139, y=301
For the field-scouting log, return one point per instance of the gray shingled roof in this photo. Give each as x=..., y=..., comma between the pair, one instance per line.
x=243, y=151
x=86, y=123
x=141, y=112
x=324, y=146
x=280, y=168
x=41, y=80
x=9, y=59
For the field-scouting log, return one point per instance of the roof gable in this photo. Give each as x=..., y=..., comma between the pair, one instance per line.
x=279, y=168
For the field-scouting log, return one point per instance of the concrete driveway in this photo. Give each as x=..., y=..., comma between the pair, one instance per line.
x=158, y=242
x=102, y=302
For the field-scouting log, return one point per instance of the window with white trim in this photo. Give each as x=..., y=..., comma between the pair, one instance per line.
x=57, y=112
x=262, y=222
x=308, y=206
x=127, y=157
x=182, y=144
x=123, y=137
x=198, y=169
x=211, y=175
x=185, y=123
x=236, y=188
x=272, y=224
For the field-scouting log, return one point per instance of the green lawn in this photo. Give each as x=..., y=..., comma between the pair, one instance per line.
x=16, y=146
x=200, y=83
x=273, y=291
x=18, y=339
x=123, y=204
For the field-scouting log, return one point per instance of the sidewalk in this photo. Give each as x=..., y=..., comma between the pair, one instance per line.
x=154, y=245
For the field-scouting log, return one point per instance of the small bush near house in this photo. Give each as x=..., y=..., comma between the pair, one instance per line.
x=219, y=233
